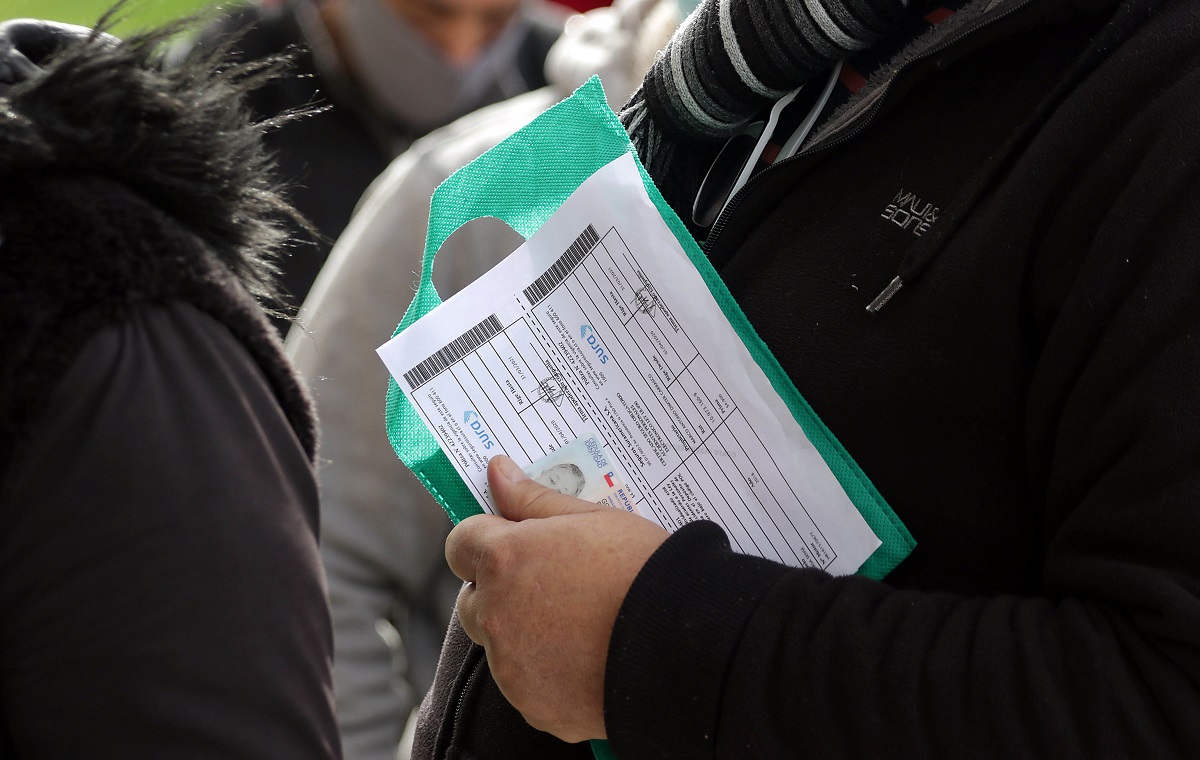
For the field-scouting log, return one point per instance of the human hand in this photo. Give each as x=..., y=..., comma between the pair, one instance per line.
x=545, y=583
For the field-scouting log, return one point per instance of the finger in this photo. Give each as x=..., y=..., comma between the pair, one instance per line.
x=467, y=607
x=464, y=545
x=518, y=497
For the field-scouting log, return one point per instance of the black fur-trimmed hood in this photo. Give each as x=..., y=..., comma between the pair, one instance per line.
x=177, y=136
x=123, y=185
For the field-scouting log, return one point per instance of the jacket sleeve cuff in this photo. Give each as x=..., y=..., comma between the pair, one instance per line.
x=674, y=637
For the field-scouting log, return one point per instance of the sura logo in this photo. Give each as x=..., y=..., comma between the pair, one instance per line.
x=472, y=420
x=589, y=336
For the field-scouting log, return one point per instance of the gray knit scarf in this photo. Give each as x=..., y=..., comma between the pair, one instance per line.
x=726, y=62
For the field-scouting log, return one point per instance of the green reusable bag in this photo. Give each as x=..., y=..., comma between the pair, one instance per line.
x=522, y=181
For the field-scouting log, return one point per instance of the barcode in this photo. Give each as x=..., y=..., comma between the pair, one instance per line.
x=558, y=272
x=452, y=352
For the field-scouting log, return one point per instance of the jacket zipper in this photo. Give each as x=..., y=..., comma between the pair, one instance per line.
x=443, y=751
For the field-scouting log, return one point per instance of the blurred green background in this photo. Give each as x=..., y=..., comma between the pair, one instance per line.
x=137, y=14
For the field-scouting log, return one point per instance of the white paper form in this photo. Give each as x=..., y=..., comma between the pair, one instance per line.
x=599, y=322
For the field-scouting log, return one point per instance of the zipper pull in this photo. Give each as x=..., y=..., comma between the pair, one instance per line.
x=881, y=299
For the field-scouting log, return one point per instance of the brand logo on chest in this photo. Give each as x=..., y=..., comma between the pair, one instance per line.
x=909, y=212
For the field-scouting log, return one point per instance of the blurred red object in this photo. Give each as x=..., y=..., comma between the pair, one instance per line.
x=583, y=5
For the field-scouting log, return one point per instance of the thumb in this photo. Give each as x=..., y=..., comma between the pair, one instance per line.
x=519, y=497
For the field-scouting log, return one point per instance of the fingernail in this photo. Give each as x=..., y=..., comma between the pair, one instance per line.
x=509, y=469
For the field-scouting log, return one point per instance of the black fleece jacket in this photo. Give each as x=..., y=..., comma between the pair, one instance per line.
x=1027, y=402
x=1029, y=174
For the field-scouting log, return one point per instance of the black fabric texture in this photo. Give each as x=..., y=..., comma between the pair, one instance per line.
x=1026, y=406
x=161, y=593
x=83, y=252
x=465, y=717
x=698, y=560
